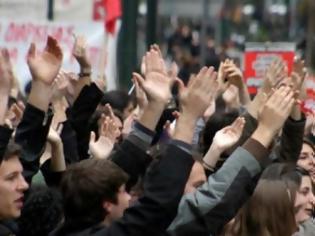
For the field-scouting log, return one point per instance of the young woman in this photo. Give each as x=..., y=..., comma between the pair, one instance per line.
x=282, y=200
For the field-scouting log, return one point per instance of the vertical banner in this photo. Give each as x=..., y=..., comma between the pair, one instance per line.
x=258, y=57
x=17, y=36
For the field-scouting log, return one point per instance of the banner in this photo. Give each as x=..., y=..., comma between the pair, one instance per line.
x=17, y=36
x=258, y=56
x=73, y=10
x=23, y=9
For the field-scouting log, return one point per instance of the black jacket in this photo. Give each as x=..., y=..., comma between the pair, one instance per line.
x=163, y=188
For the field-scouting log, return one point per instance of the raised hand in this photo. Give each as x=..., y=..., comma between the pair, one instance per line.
x=194, y=100
x=298, y=76
x=157, y=83
x=273, y=114
x=142, y=100
x=196, y=97
x=276, y=72
x=14, y=114
x=6, y=74
x=223, y=140
x=228, y=136
x=60, y=85
x=54, y=134
x=102, y=147
x=231, y=96
x=45, y=66
x=233, y=74
x=79, y=51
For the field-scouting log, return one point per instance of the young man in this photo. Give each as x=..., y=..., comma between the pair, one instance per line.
x=12, y=187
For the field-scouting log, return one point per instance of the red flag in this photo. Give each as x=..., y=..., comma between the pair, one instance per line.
x=113, y=11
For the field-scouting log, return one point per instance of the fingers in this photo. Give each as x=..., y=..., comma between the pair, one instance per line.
x=238, y=124
x=137, y=79
x=53, y=47
x=31, y=51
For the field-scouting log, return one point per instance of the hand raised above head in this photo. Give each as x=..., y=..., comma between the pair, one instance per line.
x=45, y=66
x=201, y=90
x=6, y=74
x=157, y=84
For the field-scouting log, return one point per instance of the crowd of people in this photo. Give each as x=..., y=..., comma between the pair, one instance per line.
x=207, y=160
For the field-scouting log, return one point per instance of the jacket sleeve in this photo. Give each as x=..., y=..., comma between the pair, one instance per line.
x=163, y=188
x=292, y=140
x=82, y=110
x=31, y=134
x=216, y=202
x=132, y=155
x=5, y=136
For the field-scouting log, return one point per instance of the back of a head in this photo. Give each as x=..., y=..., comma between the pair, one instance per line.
x=42, y=212
x=217, y=121
x=118, y=99
x=85, y=185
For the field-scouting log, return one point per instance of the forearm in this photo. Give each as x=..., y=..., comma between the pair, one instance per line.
x=184, y=127
x=256, y=104
x=212, y=156
x=57, y=163
x=296, y=113
x=292, y=139
x=244, y=95
x=151, y=115
x=3, y=107
x=225, y=191
x=40, y=95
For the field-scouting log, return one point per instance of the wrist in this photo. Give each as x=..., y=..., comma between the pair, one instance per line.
x=264, y=135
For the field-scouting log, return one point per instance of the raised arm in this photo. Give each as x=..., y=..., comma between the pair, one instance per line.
x=5, y=87
x=208, y=209
x=32, y=132
x=166, y=178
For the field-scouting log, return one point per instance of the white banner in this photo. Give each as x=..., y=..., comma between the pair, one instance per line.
x=23, y=9
x=73, y=10
x=17, y=36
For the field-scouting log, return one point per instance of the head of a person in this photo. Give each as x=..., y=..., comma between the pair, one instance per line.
x=93, y=192
x=283, y=193
x=216, y=122
x=307, y=158
x=42, y=211
x=119, y=100
x=196, y=178
x=95, y=123
x=300, y=188
x=12, y=183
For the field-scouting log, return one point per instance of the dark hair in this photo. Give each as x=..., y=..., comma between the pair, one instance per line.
x=93, y=122
x=85, y=186
x=216, y=122
x=118, y=99
x=42, y=212
x=11, y=150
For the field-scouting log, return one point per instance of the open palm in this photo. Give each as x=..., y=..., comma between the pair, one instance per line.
x=45, y=66
x=228, y=136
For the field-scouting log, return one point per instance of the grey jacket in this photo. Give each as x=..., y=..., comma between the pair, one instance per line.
x=217, y=201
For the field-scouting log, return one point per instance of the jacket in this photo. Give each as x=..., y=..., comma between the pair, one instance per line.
x=163, y=187
x=216, y=202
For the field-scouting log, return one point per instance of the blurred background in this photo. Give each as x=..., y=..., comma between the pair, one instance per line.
x=191, y=32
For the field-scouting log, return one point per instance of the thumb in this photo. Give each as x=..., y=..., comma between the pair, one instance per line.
x=180, y=84
x=138, y=78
